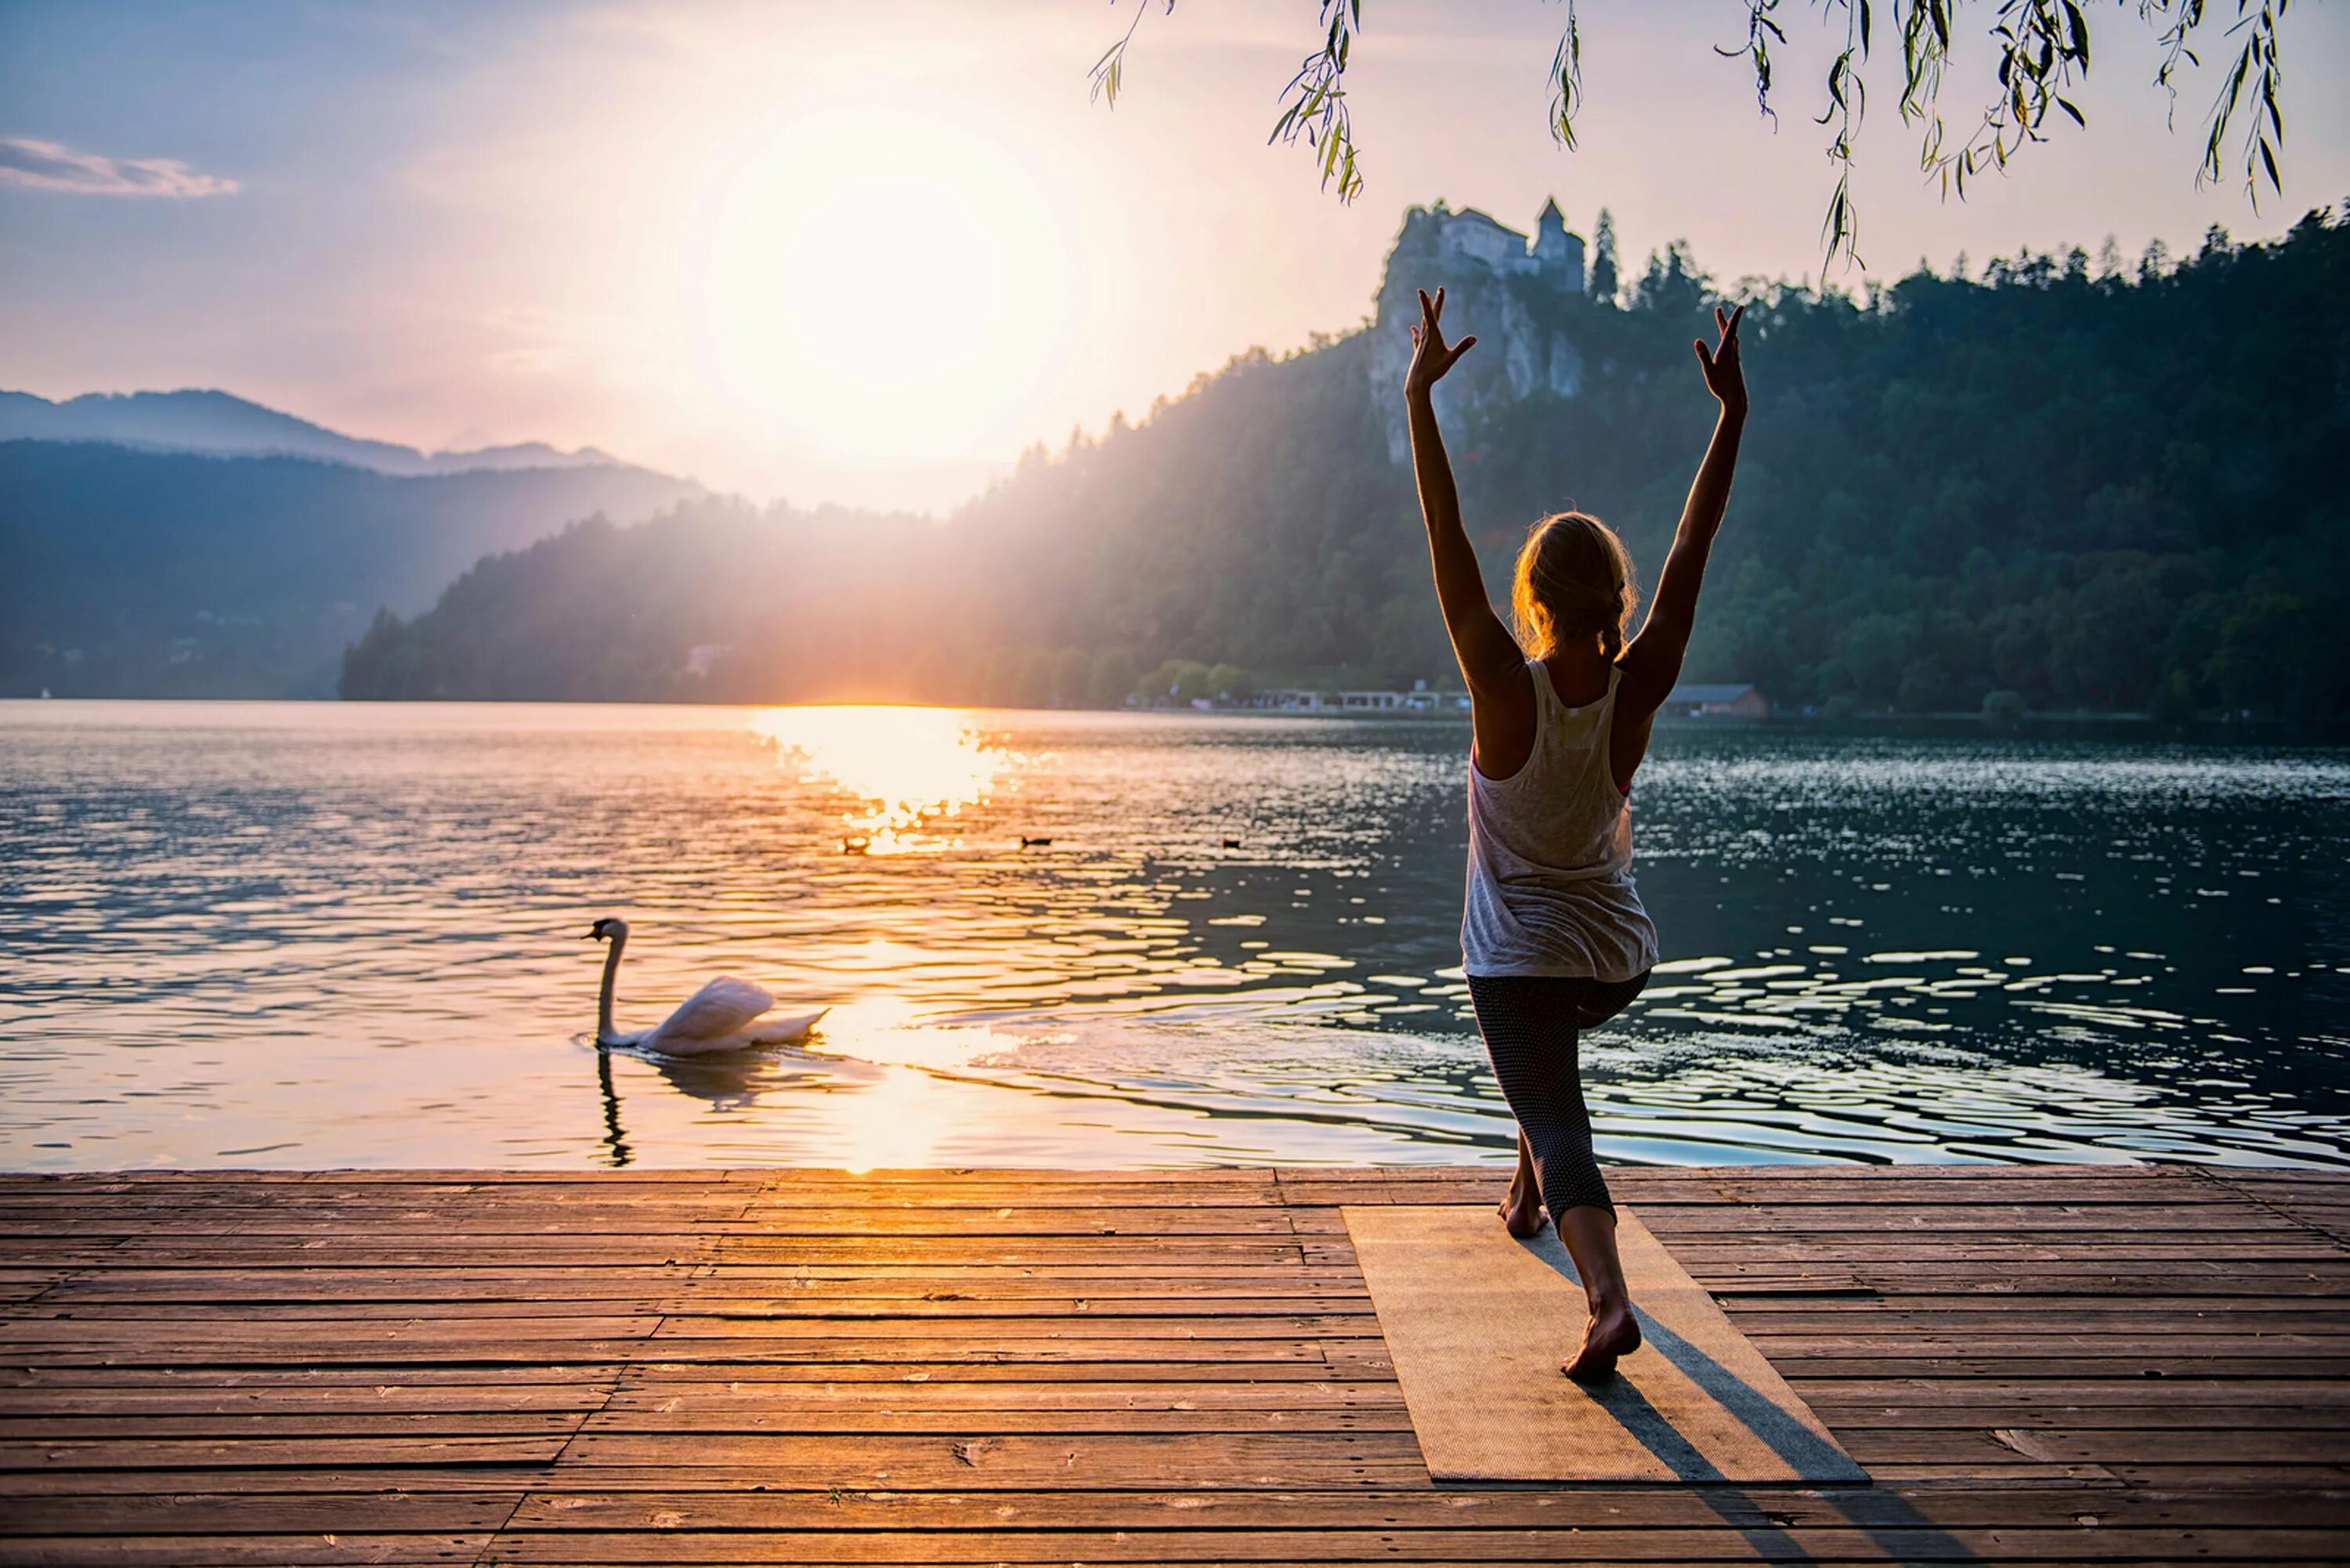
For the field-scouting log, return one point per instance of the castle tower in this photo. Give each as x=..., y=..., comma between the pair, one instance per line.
x=1558, y=256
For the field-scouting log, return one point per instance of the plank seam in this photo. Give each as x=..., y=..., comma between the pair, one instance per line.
x=485, y=1557
x=704, y=1267
x=553, y=1469
x=68, y=1277
x=2214, y=1178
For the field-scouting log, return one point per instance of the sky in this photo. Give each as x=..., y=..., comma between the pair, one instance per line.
x=869, y=253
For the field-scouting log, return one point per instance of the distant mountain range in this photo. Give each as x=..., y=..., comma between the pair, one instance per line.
x=227, y=426
x=196, y=545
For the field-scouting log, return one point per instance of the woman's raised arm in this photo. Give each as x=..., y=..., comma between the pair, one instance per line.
x=1489, y=656
x=1653, y=661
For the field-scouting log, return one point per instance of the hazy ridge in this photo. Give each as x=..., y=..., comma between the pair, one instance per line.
x=133, y=572
x=225, y=425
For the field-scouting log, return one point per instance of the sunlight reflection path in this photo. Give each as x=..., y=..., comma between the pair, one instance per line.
x=908, y=767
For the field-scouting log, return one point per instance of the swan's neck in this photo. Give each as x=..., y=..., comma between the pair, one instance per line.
x=604, y=1001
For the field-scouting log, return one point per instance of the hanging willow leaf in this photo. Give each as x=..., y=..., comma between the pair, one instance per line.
x=1110, y=72
x=1567, y=82
x=2040, y=55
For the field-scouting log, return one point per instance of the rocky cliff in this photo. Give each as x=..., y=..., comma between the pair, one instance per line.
x=1500, y=286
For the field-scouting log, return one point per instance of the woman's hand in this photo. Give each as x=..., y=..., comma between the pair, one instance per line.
x=1724, y=377
x=1430, y=357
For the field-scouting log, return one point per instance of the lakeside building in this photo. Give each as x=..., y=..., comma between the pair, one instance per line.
x=1305, y=700
x=1687, y=700
x=1690, y=700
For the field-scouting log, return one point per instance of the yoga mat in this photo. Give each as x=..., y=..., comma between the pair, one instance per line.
x=1477, y=1323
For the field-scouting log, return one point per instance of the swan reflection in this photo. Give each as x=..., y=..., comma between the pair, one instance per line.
x=728, y=1083
x=907, y=766
x=880, y=1089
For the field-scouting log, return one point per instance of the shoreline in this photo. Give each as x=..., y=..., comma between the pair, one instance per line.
x=2087, y=724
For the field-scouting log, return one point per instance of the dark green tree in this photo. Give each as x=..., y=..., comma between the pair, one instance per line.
x=1602, y=258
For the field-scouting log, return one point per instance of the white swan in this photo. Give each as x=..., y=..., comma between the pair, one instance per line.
x=727, y=1014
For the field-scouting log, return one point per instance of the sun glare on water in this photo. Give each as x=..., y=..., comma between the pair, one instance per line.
x=912, y=769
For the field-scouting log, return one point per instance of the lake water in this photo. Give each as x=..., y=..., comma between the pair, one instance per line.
x=316, y=935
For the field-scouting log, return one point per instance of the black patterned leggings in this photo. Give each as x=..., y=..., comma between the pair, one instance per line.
x=1532, y=1025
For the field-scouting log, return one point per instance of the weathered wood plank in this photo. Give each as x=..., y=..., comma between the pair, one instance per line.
x=405, y=1398
x=53, y=1427
x=168, y=1378
x=235, y=1550
x=1009, y=1322
x=938, y=1307
x=460, y=1478
x=176, y=1453
x=1083, y=1462
x=740, y=1419
x=259, y=1512
x=729, y=1507
x=1588, y=1543
x=939, y=1396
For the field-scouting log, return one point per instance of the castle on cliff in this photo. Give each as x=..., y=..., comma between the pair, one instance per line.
x=1469, y=238
x=1499, y=285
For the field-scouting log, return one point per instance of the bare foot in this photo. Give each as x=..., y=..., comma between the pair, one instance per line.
x=1614, y=1332
x=1521, y=1211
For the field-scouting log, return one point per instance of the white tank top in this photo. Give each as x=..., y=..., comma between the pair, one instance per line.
x=1550, y=855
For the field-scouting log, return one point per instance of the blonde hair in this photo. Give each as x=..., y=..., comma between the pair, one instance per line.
x=1573, y=582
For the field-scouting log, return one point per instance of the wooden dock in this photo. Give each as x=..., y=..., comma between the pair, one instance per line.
x=2141, y=1364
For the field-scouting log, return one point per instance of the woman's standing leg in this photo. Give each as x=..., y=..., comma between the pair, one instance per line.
x=1531, y=1035
x=1590, y=1233
x=1521, y=1211
x=1614, y=1329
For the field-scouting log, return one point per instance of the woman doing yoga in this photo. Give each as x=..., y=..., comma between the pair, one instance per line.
x=1554, y=940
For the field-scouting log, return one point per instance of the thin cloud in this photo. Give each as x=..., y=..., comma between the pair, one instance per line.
x=53, y=166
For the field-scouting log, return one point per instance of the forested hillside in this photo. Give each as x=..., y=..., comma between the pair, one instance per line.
x=2097, y=486
x=714, y=601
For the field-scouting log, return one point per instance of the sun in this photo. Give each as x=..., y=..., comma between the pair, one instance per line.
x=879, y=279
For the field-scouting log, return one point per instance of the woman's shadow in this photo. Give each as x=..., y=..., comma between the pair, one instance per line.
x=1839, y=1482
